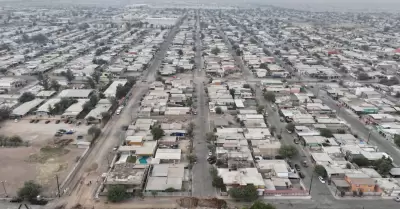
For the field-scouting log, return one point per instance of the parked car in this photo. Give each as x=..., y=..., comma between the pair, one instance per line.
x=297, y=167
x=397, y=199
x=258, y=158
x=47, y=121
x=16, y=199
x=31, y=121
x=321, y=179
x=37, y=121
x=62, y=130
x=57, y=121
x=301, y=175
x=304, y=163
x=58, y=134
x=70, y=132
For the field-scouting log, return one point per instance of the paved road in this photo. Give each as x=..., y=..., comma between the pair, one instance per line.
x=358, y=127
x=321, y=196
x=202, y=185
x=110, y=137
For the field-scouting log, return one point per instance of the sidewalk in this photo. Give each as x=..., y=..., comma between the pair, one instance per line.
x=338, y=197
x=136, y=203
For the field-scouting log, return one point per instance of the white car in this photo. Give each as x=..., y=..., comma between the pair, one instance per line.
x=397, y=199
x=321, y=179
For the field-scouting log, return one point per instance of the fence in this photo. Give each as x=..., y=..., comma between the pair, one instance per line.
x=285, y=193
x=167, y=194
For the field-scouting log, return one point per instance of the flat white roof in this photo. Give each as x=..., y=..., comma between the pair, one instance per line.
x=112, y=89
x=75, y=93
x=168, y=154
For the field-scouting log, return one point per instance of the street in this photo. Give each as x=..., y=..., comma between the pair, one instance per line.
x=321, y=197
x=202, y=186
x=96, y=162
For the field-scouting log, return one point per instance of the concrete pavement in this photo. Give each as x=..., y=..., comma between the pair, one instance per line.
x=202, y=185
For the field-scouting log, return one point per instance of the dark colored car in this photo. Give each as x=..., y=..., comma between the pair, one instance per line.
x=37, y=121
x=297, y=167
x=47, y=121
x=16, y=199
x=38, y=202
x=57, y=121
x=33, y=120
x=301, y=175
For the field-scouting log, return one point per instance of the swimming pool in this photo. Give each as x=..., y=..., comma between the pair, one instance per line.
x=143, y=160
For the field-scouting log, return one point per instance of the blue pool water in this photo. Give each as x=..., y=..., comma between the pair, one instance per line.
x=143, y=160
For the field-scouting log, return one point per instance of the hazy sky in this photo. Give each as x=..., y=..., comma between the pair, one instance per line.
x=356, y=5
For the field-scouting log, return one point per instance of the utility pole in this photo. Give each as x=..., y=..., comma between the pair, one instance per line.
x=309, y=190
x=4, y=187
x=58, y=186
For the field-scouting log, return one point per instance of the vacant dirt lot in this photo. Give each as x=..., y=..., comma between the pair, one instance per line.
x=42, y=160
x=38, y=133
x=35, y=163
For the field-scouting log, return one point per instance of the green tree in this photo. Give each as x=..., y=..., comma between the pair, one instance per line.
x=383, y=166
x=55, y=85
x=320, y=170
x=180, y=52
x=26, y=97
x=397, y=140
x=4, y=113
x=363, y=76
x=215, y=51
x=191, y=158
x=218, y=110
x=96, y=76
x=288, y=151
x=157, y=132
x=210, y=136
x=117, y=193
x=325, y=132
x=218, y=182
x=290, y=127
x=269, y=96
x=247, y=193
x=95, y=132
x=261, y=205
x=189, y=129
x=29, y=191
x=232, y=93
x=44, y=81
x=361, y=161
x=69, y=75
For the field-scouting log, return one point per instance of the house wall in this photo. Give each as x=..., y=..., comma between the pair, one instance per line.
x=362, y=187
